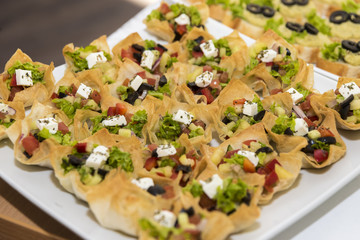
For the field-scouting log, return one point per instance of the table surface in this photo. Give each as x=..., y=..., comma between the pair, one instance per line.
x=19, y=219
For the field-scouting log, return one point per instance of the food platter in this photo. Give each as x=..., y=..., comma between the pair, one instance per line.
x=41, y=187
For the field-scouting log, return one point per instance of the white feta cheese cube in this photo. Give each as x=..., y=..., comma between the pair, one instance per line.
x=94, y=58
x=119, y=120
x=136, y=82
x=204, y=79
x=143, y=183
x=4, y=108
x=250, y=108
x=267, y=55
x=98, y=157
x=23, y=77
x=83, y=91
x=183, y=117
x=301, y=127
x=295, y=95
x=165, y=218
x=209, y=49
x=165, y=150
x=49, y=123
x=210, y=187
x=349, y=88
x=249, y=155
x=182, y=19
x=148, y=58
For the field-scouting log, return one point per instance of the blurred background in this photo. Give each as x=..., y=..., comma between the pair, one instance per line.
x=41, y=28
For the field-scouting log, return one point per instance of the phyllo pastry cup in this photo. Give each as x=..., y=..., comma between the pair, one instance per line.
x=39, y=133
x=80, y=167
x=249, y=156
x=38, y=88
x=344, y=109
x=163, y=22
x=11, y=114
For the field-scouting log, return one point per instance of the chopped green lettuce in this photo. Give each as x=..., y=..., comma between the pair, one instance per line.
x=333, y=52
x=169, y=129
x=283, y=122
x=121, y=159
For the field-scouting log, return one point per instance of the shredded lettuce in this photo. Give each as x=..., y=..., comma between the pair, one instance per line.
x=169, y=129
x=194, y=188
x=138, y=120
x=318, y=22
x=121, y=159
x=291, y=69
x=253, y=63
x=283, y=122
x=350, y=6
x=36, y=75
x=303, y=91
x=67, y=107
x=333, y=52
x=223, y=43
x=235, y=159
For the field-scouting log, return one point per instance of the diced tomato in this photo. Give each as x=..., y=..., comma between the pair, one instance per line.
x=54, y=95
x=197, y=54
x=247, y=142
x=164, y=8
x=151, y=81
x=248, y=166
x=13, y=81
x=207, y=68
x=224, y=77
x=169, y=192
x=81, y=147
x=191, y=154
x=215, y=84
x=30, y=144
x=325, y=132
x=127, y=54
x=269, y=64
x=2, y=115
x=313, y=118
x=15, y=90
x=111, y=111
x=337, y=91
x=174, y=55
x=126, y=82
x=128, y=116
x=150, y=163
x=320, y=155
x=270, y=181
x=63, y=128
x=84, y=102
x=95, y=95
x=171, y=26
x=276, y=91
x=270, y=166
x=181, y=29
x=309, y=122
x=152, y=147
x=142, y=74
x=120, y=109
x=160, y=49
x=174, y=174
x=206, y=92
x=230, y=153
x=195, y=219
x=73, y=90
x=160, y=174
x=305, y=106
x=239, y=101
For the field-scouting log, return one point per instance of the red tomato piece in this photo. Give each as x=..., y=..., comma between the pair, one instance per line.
x=81, y=147
x=276, y=91
x=215, y=84
x=2, y=115
x=230, y=153
x=126, y=82
x=160, y=174
x=309, y=122
x=73, y=90
x=195, y=219
x=269, y=64
x=248, y=166
x=54, y=95
x=127, y=54
x=325, y=132
x=151, y=81
x=30, y=144
x=150, y=163
x=337, y=91
x=63, y=128
x=247, y=142
x=313, y=118
x=239, y=101
x=169, y=192
x=13, y=81
x=120, y=109
x=164, y=8
x=197, y=54
x=181, y=29
x=142, y=74
x=84, y=102
x=320, y=155
x=128, y=116
x=95, y=95
x=270, y=166
x=111, y=111
x=160, y=49
x=152, y=147
x=174, y=174
x=13, y=91
x=174, y=55
x=270, y=181
x=207, y=68
x=206, y=92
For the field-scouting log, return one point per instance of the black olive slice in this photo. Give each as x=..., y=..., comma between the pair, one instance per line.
x=254, y=8
x=199, y=39
x=154, y=153
x=259, y=116
x=338, y=17
x=62, y=95
x=137, y=56
x=289, y=132
x=145, y=86
x=309, y=148
x=27, y=155
x=247, y=199
x=354, y=18
x=138, y=47
x=347, y=101
x=75, y=161
x=162, y=47
x=350, y=45
x=344, y=111
x=311, y=29
x=327, y=140
x=190, y=211
x=156, y=190
x=132, y=98
x=268, y=11
x=294, y=27
x=288, y=53
x=275, y=67
x=302, y=2
x=197, y=48
x=358, y=44
x=183, y=168
x=264, y=149
x=102, y=172
x=226, y=120
x=162, y=81
x=177, y=36
x=288, y=2
x=193, y=86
